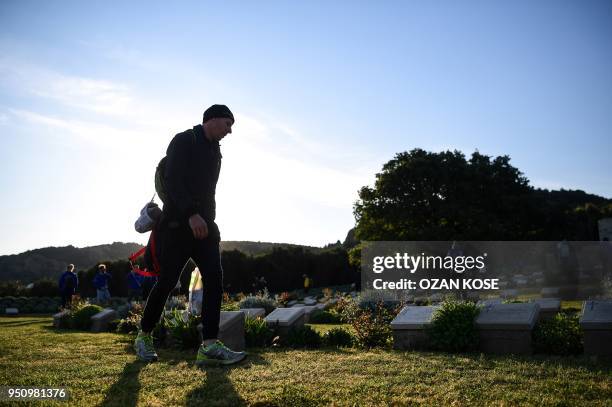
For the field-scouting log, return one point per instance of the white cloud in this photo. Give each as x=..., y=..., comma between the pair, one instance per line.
x=280, y=186
x=275, y=181
x=280, y=161
x=126, y=56
x=97, y=95
x=91, y=132
x=94, y=95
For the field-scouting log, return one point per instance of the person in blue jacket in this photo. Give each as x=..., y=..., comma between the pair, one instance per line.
x=68, y=284
x=100, y=282
x=135, y=281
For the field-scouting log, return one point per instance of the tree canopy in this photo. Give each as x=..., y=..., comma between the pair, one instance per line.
x=422, y=195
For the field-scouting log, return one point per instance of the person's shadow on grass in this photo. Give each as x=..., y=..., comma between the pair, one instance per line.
x=218, y=388
x=124, y=392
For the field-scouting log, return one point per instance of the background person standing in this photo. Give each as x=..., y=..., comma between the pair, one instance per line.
x=134, y=286
x=68, y=284
x=100, y=282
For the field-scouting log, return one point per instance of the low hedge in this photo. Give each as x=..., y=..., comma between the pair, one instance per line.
x=303, y=337
x=560, y=335
x=338, y=338
x=31, y=305
x=452, y=327
x=324, y=317
x=81, y=319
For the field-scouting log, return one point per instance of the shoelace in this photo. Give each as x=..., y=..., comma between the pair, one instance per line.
x=218, y=349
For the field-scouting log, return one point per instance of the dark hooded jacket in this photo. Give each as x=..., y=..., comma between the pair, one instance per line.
x=191, y=175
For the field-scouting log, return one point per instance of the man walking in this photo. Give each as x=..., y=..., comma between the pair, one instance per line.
x=187, y=229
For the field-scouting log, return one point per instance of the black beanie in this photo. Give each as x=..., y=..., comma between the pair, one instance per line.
x=217, y=111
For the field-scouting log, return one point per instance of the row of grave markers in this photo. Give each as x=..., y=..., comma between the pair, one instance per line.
x=231, y=323
x=507, y=328
x=502, y=328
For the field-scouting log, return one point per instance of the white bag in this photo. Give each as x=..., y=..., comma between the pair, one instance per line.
x=148, y=217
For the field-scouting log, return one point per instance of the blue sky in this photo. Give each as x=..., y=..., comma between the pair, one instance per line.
x=324, y=93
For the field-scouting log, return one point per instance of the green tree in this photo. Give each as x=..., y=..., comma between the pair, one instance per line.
x=421, y=195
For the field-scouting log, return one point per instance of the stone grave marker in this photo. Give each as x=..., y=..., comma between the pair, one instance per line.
x=286, y=318
x=100, y=321
x=254, y=312
x=521, y=281
x=596, y=324
x=320, y=306
x=489, y=301
x=409, y=326
x=548, y=292
x=511, y=293
x=11, y=311
x=298, y=305
x=310, y=301
x=231, y=329
x=308, y=310
x=436, y=297
x=292, y=303
x=57, y=318
x=506, y=328
x=548, y=307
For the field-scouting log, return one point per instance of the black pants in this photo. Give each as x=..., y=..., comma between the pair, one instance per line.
x=66, y=298
x=176, y=246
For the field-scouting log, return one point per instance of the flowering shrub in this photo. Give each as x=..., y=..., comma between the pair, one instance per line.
x=283, y=298
x=346, y=308
x=327, y=293
x=372, y=328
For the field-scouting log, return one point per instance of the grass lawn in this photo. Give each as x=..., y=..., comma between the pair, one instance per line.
x=101, y=369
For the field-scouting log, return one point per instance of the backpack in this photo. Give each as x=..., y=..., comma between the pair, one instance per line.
x=151, y=258
x=160, y=187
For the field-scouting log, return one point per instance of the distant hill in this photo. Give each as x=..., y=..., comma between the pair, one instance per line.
x=48, y=262
x=256, y=248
